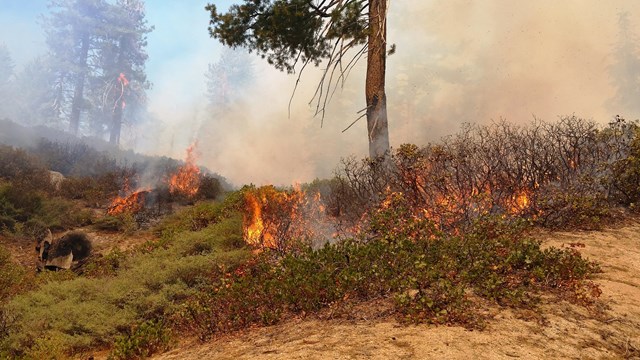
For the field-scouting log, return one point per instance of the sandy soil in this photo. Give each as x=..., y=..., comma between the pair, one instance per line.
x=560, y=331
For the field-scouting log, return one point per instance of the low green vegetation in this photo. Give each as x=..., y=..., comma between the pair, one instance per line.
x=119, y=293
x=434, y=234
x=431, y=277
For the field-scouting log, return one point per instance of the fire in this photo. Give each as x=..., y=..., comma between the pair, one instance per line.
x=187, y=180
x=273, y=218
x=254, y=233
x=521, y=202
x=123, y=82
x=131, y=203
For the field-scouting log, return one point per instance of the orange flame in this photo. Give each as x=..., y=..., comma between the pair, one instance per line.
x=187, y=180
x=131, y=203
x=521, y=202
x=254, y=233
x=273, y=217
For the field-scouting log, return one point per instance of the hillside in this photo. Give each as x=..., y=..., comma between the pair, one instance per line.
x=433, y=254
x=559, y=330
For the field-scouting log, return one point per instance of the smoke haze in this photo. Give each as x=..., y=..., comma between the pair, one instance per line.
x=456, y=61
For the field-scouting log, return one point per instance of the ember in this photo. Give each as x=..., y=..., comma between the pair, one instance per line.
x=187, y=180
x=521, y=203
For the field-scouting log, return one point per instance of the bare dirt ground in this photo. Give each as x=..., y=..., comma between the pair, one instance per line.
x=23, y=250
x=558, y=331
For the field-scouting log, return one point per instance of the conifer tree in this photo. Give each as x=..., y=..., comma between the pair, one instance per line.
x=301, y=32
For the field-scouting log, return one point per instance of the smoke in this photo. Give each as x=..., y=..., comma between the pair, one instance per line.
x=511, y=60
x=456, y=61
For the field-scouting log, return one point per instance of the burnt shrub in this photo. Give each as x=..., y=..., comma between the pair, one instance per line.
x=567, y=173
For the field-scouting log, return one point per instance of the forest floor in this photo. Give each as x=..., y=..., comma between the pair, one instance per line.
x=557, y=330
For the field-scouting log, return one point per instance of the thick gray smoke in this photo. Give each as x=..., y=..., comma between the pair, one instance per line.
x=456, y=61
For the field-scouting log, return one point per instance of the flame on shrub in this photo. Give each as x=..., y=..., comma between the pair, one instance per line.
x=186, y=180
x=131, y=203
x=281, y=219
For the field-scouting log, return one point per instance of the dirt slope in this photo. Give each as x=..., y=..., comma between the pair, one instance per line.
x=564, y=331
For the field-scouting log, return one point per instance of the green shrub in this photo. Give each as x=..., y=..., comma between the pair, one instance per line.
x=36, y=210
x=104, y=265
x=23, y=170
x=124, y=222
x=210, y=187
x=144, y=340
x=72, y=313
x=12, y=277
x=432, y=277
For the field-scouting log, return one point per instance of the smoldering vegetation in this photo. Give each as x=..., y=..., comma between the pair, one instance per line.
x=85, y=178
x=570, y=173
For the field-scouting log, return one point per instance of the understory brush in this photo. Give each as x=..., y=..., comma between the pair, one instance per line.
x=567, y=174
x=121, y=298
x=431, y=277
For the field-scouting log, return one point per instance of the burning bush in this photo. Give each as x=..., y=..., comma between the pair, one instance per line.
x=284, y=220
x=564, y=173
x=431, y=277
x=186, y=180
x=131, y=203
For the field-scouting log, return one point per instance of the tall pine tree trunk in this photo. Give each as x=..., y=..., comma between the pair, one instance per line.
x=118, y=111
x=377, y=123
x=78, y=93
x=116, y=123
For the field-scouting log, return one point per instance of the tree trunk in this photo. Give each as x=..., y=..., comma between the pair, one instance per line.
x=116, y=123
x=118, y=111
x=377, y=124
x=78, y=98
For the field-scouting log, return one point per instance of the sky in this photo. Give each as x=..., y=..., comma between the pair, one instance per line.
x=457, y=61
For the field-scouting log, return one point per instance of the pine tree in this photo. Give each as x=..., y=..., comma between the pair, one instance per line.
x=73, y=30
x=122, y=59
x=287, y=32
x=35, y=96
x=99, y=52
x=228, y=78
